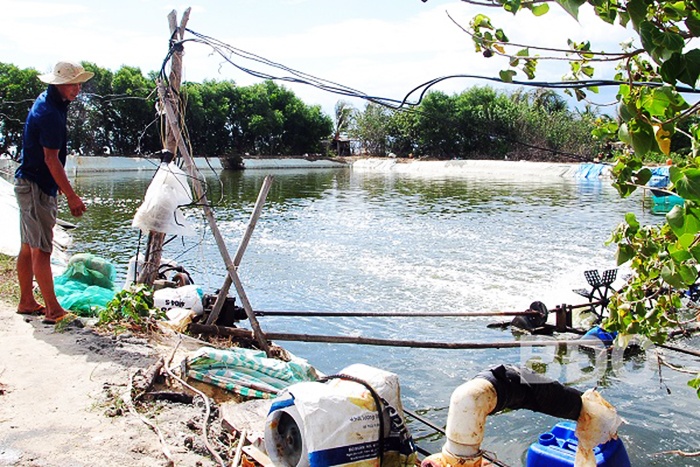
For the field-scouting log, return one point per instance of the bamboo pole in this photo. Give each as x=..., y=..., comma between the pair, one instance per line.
x=393, y=314
x=154, y=249
x=408, y=314
x=255, y=215
x=246, y=334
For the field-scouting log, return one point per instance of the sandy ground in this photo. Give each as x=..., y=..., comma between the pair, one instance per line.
x=59, y=391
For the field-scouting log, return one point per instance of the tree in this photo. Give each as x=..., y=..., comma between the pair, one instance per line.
x=437, y=125
x=133, y=109
x=18, y=90
x=371, y=129
x=207, y=116
x=344, y=119
x=403, y=133
x=90, y=120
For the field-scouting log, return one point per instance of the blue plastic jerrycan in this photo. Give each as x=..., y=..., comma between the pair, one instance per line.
x=557, y=448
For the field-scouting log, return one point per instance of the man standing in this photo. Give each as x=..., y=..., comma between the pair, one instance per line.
x=38, y=180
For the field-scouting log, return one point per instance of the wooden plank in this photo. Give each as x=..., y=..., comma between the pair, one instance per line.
x=249, y=415
x=259, y=456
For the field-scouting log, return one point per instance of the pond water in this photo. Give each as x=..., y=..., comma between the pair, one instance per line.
x=342, y=240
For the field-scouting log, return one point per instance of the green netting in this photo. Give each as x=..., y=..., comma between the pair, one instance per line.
x=247, y=372
x=87, y=284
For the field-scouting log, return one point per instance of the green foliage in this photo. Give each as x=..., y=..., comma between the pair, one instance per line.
x=263, y=118
x=117, y=111
x=371, y=128
x=479, y=123
x=652, y=116
x=695, y=384
x=18, y=89
x=132, y=305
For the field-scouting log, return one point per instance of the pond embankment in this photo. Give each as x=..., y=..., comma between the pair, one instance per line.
x=77, y=165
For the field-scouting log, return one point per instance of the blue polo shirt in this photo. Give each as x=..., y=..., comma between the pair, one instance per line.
x=45, y=127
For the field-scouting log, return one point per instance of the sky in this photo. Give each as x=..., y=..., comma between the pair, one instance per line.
x=380, y=47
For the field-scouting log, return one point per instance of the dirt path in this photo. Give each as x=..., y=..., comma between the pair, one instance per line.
x=55, y=391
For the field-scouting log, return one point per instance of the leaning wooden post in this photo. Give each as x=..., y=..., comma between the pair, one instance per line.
x=154, y=250
x=191, y=169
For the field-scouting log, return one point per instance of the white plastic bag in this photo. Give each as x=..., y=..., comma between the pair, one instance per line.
x=188, y=296
x=160, y=210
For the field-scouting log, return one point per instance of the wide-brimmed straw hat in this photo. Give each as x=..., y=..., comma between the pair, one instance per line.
x=67, y=73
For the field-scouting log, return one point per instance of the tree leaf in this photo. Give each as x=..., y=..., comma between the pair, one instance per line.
x=691, y=69
x=624, y=253
x=670, y=41
x=647, y=31
x=507, y=75
x=688, y=274
x=512, y=6
x=671, y=277
x=672, y=68
x=632, y=221
x=640, y=136
x=642, y=176
x=571, y=6
x=686, y=182
x=637, y=11
x=692, y=22
x=501, y=36
x=539, y=10
x=663, y=139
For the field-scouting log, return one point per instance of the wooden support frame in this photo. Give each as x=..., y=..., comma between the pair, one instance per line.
x=169, y=97
x=191, y=170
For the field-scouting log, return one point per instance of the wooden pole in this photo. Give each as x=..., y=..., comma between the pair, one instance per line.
x=248, y=335
x=154, y=247
x=223, y=291
x=561, y=319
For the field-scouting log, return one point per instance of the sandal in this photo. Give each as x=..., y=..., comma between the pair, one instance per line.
x=40, y=310
x=59, y=319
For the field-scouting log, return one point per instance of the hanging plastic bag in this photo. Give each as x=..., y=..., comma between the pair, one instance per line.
x=160, y=210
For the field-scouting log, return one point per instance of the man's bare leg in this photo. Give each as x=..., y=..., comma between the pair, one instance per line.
x=25, y=276
x=41, y=263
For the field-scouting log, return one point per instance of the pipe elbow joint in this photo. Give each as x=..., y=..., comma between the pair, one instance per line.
x=470, y=404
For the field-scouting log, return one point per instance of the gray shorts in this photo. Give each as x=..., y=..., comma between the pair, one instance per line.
x=37, y=215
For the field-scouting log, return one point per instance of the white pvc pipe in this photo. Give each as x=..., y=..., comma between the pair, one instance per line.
x=470, y=404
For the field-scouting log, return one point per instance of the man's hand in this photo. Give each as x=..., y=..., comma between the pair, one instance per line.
x=76, y=205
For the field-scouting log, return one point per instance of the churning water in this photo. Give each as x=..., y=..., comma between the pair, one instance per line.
x=338, y=240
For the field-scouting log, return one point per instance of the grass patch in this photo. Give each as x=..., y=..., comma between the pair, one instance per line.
x=9, y=288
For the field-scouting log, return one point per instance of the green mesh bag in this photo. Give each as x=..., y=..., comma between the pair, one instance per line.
x=87, y=284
